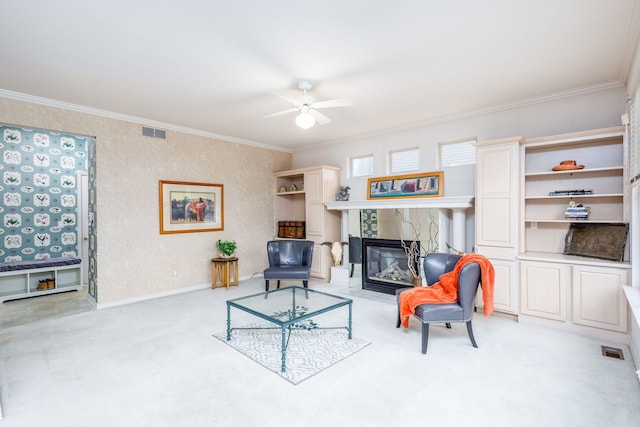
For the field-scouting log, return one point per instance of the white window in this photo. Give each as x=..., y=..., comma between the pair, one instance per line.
x=362, y=165
x=404, y=161
x=457, y=153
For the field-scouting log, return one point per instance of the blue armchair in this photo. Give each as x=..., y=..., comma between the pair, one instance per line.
x=289, y=260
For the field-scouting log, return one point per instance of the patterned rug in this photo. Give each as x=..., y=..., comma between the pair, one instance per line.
x=308, y=351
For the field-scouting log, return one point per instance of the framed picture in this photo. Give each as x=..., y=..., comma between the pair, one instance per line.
x=189, y=207
x=429, y=184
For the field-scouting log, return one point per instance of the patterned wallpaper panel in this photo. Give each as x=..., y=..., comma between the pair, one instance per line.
x=39, y=204
x=369, y=223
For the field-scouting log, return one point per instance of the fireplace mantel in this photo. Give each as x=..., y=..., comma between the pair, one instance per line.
x=450, y=207
x=462, y=202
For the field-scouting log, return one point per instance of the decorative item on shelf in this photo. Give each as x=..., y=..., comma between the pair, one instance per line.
x=226, y=248
x=576, y=211
x=570, y=192
x=343, y=194
x=291, y=229
x=293, y=187
x=567, y=165
x=282, y=189
x=597, y=240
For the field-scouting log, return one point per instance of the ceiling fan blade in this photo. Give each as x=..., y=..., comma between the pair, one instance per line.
x=279, y=113
x=340, y=102
x=320, y=118
x=287, y=98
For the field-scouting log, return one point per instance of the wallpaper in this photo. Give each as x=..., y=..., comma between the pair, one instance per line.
x=39, y=203
x=369, y=223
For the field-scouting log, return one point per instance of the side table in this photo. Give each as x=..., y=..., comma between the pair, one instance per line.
x=224, y=272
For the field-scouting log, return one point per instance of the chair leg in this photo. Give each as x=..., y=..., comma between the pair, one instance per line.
x=266, y=285
x=448, y=325
x=425, y=337
x=278, y=284
x=470, y=330
x=351, y=274
x=398, y=319
x=305, y=283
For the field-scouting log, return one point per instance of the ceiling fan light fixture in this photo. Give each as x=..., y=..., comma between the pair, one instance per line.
x=304, y=119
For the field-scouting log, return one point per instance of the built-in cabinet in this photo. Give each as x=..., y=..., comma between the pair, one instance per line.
x=580, y=291
x=300, y=195
x=497, y=204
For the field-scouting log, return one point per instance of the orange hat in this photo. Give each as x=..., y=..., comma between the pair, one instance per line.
x=568, y=165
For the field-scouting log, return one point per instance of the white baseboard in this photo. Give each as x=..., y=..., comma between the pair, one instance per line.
x=100, y=306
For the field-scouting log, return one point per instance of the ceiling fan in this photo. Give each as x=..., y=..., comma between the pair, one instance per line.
x=308, y=107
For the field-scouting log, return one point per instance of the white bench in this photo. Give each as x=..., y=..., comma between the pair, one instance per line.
x=20, y=279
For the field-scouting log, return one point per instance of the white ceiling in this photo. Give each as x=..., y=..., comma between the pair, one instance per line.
x=213, y=65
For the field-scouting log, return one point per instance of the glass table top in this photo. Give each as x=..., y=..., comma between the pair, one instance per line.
x=288, y=305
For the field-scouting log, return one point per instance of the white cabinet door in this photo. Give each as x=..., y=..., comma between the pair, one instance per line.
x=313, y=187
x=544, y=289
x=505, y=292
x=496, y=195
x=598, y=297
x=319, y=263
x=504, y=295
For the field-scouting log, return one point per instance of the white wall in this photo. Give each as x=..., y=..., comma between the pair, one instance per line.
x=135, y=261
x=569, y=114
x=577, y=113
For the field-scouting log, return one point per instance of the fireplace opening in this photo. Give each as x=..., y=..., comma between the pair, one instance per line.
x=385, y=267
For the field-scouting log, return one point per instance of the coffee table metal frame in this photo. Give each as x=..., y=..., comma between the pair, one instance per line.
x=260, y=306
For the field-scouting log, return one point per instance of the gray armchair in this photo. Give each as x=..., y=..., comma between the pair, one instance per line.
x=288, y=260
x=436, y=264
x=355, y=252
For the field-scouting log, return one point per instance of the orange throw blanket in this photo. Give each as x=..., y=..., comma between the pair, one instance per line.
x=446, y=290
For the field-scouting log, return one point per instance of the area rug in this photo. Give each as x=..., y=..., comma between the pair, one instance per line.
x=308, y=351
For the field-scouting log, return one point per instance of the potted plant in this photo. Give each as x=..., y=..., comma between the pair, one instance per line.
x=226, y=247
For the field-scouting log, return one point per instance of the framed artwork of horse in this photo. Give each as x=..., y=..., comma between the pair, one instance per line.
x=189, y=207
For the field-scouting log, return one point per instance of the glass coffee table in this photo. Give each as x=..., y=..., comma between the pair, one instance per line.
x=288, y=308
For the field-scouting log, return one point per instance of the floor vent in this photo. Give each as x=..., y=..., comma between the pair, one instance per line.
x=616, y=353
x=154, y=133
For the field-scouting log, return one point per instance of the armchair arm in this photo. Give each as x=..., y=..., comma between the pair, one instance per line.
x=307, y=255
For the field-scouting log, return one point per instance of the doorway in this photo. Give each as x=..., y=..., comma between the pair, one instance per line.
x=82, y=178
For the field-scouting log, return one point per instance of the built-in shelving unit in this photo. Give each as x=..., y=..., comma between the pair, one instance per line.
x=574, y=290
x=602, y=153
x=521, y=227
x=300, y=195
x=24, y=283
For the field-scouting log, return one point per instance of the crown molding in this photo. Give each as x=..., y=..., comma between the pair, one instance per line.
x=476, y=113
x=18, y=96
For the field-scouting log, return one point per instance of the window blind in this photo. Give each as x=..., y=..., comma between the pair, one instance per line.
x=404, y=161
x=362, y=166
x=457, y=153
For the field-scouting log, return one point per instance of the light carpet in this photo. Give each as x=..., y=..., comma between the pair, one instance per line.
x=308, y=351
